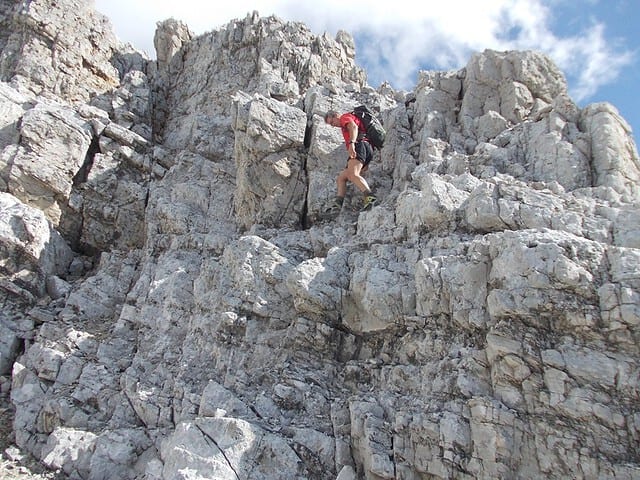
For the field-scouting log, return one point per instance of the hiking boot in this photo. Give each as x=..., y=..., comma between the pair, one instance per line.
x=369, y=201
x=333, y=208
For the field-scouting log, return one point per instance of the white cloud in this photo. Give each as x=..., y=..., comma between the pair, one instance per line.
x=404, y=37
x=591, y=59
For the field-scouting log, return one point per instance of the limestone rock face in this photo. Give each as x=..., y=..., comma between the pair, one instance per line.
x=76, y=123
x=256, y=55
x=32, y=253
x=175, y=305
x=64, y=48
x=27, y=236
x=271, y=181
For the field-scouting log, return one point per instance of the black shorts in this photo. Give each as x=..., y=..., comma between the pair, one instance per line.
x=364, y=152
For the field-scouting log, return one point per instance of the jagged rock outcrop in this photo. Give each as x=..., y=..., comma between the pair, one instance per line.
x=176, y=307
x=75, y=137
x=62, y=49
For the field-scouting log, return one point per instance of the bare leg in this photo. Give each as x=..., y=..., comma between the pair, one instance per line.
x=341, y=180
x=353, y=175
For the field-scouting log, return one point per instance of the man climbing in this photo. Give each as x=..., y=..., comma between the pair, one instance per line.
x=360, y=154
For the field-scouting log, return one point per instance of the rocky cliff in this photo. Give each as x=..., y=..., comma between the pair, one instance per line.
x=174, y=306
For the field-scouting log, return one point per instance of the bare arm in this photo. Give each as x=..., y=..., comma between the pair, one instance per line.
x=352, y=128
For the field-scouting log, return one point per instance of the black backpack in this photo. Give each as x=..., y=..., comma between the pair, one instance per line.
x=374, y=131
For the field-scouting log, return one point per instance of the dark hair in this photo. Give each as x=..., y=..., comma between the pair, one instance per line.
x=330, y=114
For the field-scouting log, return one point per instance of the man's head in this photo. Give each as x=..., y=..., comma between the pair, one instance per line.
x=332, y=118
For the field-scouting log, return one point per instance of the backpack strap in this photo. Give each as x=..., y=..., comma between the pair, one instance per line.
x=362, y=129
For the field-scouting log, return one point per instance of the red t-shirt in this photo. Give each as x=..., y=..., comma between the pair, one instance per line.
x=344, y=120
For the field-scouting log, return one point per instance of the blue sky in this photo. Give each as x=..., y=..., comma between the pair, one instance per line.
x=594, y=42
x=620, y=21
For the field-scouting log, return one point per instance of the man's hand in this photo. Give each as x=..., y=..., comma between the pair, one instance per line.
x=352, y=150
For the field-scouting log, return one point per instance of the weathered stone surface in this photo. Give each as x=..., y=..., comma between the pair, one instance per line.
x=63, y=48
x=507, y=83
x=319, y=285
x=614, y=157
x=271, y=181
x=31, y=248
x=225, y=448
x=12, y=107
x=10, y=344
x=432, y=208
x=70, y=451
x=481, y=322
x=270, y=56
x=59, y=135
